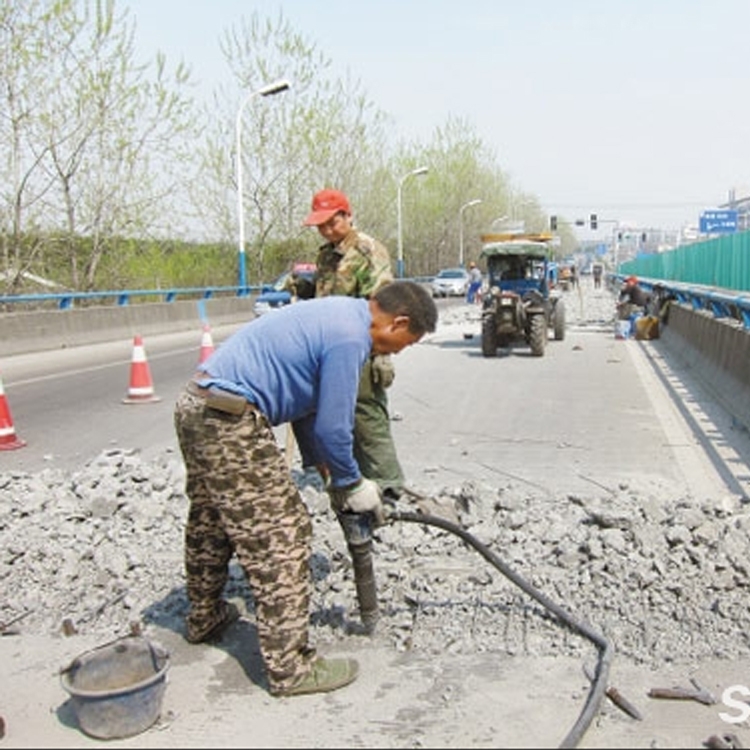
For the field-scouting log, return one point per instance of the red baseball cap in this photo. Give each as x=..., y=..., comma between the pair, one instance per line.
x=326, y=204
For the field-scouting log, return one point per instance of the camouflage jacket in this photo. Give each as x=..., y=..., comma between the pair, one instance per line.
x=357, y=267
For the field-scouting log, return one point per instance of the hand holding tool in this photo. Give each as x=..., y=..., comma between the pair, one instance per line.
x=365, y=497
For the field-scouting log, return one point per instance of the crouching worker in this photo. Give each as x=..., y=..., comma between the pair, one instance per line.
x=300, y=365
x=633, y=300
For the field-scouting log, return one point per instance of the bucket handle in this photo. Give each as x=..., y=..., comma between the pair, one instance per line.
x=156, y=653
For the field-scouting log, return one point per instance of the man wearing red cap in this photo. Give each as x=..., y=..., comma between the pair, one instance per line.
x=353, y=264
x=633, y=300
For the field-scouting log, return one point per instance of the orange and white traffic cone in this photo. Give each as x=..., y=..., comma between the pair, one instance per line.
x=141, y=388
x=8, y=438
x=207, y=344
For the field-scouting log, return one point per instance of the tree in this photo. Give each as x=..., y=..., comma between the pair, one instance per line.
x=99, y=154
x=461, y=169
x=321, y=132
x=101, y=137
x=23, y=55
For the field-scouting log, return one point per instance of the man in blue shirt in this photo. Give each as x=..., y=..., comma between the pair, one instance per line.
x=300, y=365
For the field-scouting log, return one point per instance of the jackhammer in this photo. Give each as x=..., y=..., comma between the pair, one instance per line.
x=358, y=529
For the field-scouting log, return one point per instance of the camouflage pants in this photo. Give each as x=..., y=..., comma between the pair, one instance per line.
x=243, y=501
x=373, y=442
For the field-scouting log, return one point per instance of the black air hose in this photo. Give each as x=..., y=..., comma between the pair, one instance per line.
x=599, y=683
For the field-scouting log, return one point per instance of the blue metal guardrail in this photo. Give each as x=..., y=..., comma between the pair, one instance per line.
x=65, y=300
x=721, y=303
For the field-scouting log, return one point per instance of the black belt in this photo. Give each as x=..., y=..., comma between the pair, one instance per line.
x=216, y=398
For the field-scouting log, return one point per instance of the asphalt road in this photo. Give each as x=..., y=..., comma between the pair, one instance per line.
x=68, y=405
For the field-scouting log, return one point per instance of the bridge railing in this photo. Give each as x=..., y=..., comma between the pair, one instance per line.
x=66, y=300
x=722, y=303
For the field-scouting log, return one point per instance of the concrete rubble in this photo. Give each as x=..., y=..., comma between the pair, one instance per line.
x=96, y=550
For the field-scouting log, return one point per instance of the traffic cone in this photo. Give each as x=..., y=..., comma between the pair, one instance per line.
x=8, y=438
x=141, y=388
x=207, y=344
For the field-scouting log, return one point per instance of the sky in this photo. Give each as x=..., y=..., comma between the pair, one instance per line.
x=635, y=110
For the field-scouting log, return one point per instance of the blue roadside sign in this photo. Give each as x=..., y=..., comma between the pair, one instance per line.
x=718, y=221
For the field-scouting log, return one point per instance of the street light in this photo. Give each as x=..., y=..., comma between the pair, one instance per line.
x=268, y=90
x=400, y=264
x=504, y=217
x=475, y=202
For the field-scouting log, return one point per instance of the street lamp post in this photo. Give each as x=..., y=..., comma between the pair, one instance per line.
x=400, y=262
x=504, y=217
x=475, y=202
x=268, y=90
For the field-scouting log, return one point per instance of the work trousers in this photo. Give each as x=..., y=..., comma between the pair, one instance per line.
x=472, y=292
x=243, y=501
x=374, y=449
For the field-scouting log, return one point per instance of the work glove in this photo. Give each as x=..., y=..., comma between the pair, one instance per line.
x=363, y=497
x=383, y=371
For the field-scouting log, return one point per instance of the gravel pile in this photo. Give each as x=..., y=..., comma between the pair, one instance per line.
x=99, y=549
x=664, y=577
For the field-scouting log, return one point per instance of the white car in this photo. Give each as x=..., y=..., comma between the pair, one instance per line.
x=450, y=282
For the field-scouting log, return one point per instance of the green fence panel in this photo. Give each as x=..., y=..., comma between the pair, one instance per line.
x=722, y=262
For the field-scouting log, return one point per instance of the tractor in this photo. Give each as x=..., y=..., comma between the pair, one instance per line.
x=523, y=302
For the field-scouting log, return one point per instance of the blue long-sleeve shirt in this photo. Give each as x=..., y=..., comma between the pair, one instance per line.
x=301, y=364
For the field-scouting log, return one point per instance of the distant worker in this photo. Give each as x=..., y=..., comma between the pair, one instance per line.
x=633, y=300
x=660, y=302
x=573, y=276
x=597, y=271
x=474, y=292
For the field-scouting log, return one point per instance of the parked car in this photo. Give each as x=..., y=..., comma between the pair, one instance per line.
x=450, y=282
x=278, y=294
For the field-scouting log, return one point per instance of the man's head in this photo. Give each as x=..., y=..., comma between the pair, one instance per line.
x=402, y=313
x=331, y=214
x=631, y=281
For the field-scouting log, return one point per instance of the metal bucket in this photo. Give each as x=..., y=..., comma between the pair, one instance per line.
x=117, y=689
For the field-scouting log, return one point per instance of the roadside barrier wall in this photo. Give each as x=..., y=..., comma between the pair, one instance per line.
x=718, y=352
x=48, y=330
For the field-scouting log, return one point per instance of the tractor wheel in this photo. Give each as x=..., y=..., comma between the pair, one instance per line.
x=537, y=334
x=489, y=336
x=558, y=319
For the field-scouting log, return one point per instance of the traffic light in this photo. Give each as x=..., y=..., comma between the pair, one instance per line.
x=593, y=221
x=553, y=223
x=644, y=237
